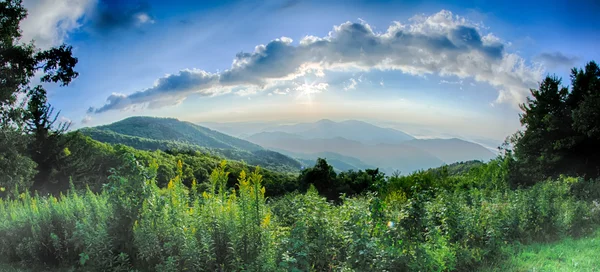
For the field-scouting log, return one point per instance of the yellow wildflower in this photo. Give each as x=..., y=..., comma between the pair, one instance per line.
x=171, y=185
x=266, y=221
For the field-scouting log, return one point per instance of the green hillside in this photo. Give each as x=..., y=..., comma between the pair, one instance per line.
x=151, y=133
x=171, y=129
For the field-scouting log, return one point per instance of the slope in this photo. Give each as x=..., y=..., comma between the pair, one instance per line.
x=149, y=133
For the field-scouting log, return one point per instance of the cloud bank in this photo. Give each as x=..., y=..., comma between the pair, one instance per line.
x=49, y=22
x=441, y=44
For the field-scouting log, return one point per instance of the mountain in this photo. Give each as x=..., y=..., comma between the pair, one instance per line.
x=151, y=133
x=351, y=130
x=453, y=150
x=171, y=129
x=238, y=129
x=406, y=156
x=388, y=157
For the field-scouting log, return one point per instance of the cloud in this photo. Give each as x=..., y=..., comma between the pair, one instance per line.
x=111, y=15
x=459, y=82
x=442, y=44
x=50, y=21
x=167, y=91
x=352, y=84
x=87, y=119
x=64, y=120
x=556, y=59
x=307, y=89
x=281, y=92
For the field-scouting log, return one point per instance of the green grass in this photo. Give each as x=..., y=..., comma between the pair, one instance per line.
x=565, y=255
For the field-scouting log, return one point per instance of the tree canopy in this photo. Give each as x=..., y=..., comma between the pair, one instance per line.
x=562, y=129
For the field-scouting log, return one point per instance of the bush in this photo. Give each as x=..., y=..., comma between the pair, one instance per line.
x=436, y=225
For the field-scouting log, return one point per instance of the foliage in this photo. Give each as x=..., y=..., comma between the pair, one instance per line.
x=442, y=222
x=150, y=133
x=40, y=141
x=561, y=133
x=331, y=184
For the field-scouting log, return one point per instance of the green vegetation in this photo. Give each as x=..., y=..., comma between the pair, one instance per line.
x=135, y=224
x=68, y=202
x=563, y=256
x=150, y=133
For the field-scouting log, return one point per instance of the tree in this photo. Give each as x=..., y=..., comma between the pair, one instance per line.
x=48, y=145
x=32, y=125
x=562, y=129
x=322, y=176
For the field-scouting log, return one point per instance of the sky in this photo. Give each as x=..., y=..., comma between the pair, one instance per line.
x=432, y=69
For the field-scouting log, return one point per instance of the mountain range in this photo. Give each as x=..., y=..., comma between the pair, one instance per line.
x=151, y=133
x=346, y=145
x=356, y=144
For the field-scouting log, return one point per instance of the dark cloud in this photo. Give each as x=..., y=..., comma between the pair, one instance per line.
x=113, y=15
x=557, y=59
x=441, y=44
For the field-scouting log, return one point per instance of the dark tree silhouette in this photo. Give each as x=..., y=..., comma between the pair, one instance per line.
x=33, y=117
x=562, y=129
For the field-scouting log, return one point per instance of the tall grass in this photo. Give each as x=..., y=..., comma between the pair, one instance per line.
x=134, y=224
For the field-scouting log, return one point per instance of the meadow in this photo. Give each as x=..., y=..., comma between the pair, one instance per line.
x=427, y=221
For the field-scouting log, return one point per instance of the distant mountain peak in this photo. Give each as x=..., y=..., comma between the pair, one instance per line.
x=326, y=121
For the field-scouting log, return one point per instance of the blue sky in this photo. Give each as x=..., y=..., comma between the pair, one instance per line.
x=458, y=68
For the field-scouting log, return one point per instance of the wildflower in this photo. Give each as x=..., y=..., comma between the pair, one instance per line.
x=266, y=221
x=171, y=185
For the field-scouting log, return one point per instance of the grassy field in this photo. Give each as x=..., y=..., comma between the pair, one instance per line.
x=566, y=255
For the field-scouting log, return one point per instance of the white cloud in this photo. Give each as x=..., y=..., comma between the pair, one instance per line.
x=247, y=91
x=281, y=92
x=458, y=82
x=86, y=119
x=352, y=84
x=144, y=18
x=50, y=21
x=309, y=89
x=442, y=44
x=63, y=119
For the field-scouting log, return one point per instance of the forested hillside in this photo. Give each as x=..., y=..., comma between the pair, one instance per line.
x=150, y=133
